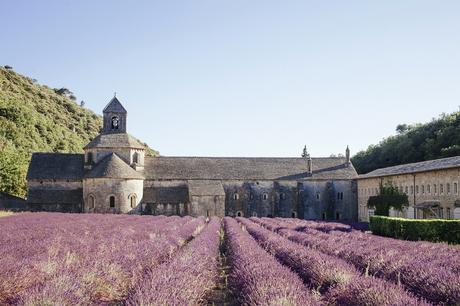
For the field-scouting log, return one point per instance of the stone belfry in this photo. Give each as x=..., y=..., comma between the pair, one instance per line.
x=115, y=116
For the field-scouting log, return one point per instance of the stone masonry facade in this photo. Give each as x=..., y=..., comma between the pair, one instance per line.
x=114, y=175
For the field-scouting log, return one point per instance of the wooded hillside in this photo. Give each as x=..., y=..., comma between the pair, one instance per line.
x=36, y=118
x=413, y=143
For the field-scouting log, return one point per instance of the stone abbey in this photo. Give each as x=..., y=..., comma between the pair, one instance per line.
x=114, y=175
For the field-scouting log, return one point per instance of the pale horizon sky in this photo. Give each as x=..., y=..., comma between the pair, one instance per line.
x=245, y=78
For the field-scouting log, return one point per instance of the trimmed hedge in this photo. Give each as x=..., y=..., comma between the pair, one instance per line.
x=436, y=230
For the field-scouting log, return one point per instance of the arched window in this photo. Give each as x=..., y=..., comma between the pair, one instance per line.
x=235, y=196
x=136, y=157
x=91, y=202
x=317, y=195
x=441, y=188
x=337, y=215
x=455, y=188
x=324, y=216
x=282, y=196
x=251, y=196
x=428, y=188
x=239, y=213
x=293, y=214
x=112, y=201
x=448, y=187
x=132, y=200
x=89, y=158
x=254, y=214
x=265, y=196
x=115, y=122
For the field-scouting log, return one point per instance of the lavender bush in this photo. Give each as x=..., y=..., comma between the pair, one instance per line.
x=411, y=268
x=327, y=273
x=62, y=259
x=186, y=279
x=256, y=278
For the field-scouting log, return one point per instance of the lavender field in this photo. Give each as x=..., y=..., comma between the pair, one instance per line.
x=82, y=259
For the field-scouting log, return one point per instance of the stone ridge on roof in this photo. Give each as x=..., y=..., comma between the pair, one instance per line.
x=115, y=140
x=67, y=166
x=113, y=166
x=246, y=168
x=429, y=165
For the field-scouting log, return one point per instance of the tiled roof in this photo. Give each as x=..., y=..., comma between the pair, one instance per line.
x=429, y=165
x=115, y=140
x=205, y=188
x=114, y=106
x=56, y=166
x=246, y=168
x=113, y=166
x=166, y=194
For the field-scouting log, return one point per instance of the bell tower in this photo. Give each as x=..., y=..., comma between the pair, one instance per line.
x=115, y=116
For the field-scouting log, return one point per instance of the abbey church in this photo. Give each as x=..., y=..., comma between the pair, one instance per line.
x=114, y=175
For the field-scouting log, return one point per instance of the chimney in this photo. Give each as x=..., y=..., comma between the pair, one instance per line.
x=347, y=155
x=309, y=165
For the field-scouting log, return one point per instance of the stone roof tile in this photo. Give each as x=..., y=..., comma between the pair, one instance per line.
x=114, y=106
x=56, y=166
x=429, y=165
x=115, y=140
x=246, y=168
x=205, y=188
x=113, y=166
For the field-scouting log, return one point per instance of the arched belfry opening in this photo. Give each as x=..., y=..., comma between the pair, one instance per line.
x=114, y=117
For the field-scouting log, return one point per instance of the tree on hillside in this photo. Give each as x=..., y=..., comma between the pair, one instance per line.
x=438, y=138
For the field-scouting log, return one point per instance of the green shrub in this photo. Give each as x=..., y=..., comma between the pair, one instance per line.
x=436, y=230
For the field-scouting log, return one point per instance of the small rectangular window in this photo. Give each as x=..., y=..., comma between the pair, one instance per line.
x=448, y=187
x=441, y=188
x=411, y=189
x=416, y=189
x=428, y=188
x=455, y=188
x=423, y=188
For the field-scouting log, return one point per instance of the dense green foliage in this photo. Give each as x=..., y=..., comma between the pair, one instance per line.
x=389, y=197
x=36, y=118
x=436, y=230
x=413, y=143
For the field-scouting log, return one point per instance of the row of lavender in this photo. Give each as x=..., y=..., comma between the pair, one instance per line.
x=428, y=270
x=80, y=259
x=338, y=282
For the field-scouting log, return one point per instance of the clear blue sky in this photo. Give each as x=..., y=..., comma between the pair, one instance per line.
x=245, y=78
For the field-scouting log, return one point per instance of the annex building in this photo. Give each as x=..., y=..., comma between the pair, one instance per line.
x=432, y=188
x=114, y=175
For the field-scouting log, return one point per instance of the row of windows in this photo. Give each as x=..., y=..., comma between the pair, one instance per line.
x=282, y=196
x=418, y=189
x=92, y=201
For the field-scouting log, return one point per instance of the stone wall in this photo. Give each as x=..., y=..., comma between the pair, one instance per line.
x=207, y=205
x=102, y=189
x=55, y=195
x=437, y=185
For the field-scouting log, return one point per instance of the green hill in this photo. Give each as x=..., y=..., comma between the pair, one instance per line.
x=36, y=118
x=413, y=143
